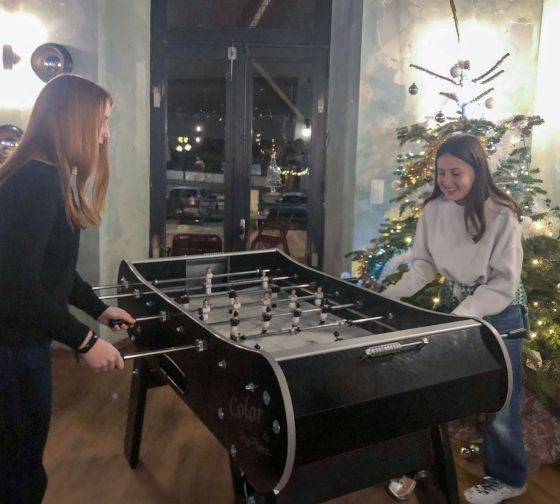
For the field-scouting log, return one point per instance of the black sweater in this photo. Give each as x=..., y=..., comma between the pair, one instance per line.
x=38, y=256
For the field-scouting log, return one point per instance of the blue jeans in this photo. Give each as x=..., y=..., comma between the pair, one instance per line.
x=25, y=410
x=503, y=433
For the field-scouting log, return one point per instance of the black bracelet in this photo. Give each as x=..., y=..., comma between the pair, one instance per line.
x=89, y=344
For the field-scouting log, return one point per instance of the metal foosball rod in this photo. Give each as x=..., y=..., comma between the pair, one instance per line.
x=292, y=330
x=221, y=293
x=258, y=303
x=218, y=275
x=277, y=315
x=156, y=282
x=229, y=284
x=138, y=294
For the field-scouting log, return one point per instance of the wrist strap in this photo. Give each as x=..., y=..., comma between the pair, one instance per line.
x=89, y=344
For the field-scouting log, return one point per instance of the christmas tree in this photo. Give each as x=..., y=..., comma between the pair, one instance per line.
x=507, y=143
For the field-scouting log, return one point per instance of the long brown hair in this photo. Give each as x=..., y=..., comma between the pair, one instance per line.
x=469, y=149
x=63, y=130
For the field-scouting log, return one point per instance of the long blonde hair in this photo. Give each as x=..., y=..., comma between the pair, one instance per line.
x=63, y=130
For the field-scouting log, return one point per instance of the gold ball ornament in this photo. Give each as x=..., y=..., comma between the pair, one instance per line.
x=489, y=103
x=440, y=117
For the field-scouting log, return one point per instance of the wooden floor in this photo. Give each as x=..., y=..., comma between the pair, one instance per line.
x=181, y=462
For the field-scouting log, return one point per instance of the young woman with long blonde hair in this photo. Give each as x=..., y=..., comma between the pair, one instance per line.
x=44, y=204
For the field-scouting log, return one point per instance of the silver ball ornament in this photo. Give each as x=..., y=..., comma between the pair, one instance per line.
x=440, y=117
x=489, y=103
x=455, y=71
x=491, y=148
x=413, y=89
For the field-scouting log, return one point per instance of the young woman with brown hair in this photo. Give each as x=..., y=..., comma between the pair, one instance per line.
x=469, y=232
x=44, y=204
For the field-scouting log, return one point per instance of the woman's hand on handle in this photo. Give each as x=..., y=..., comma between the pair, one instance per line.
x=113, y=313
x=103, y=357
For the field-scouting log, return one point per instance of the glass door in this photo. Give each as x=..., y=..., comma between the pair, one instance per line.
x=196, y=153
x=281, y=136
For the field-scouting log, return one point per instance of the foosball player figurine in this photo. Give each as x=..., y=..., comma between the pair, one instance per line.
x=293, y=300
x=266, y=317
x=184, y=301
x=296, y=314
x=264, y=280
x=324, y=313
x=319, y=296
x=266, y=299
x=204, y=310
x=274, y=292
x=208, y=287
x=234, y=327
x=209, y=275
x=232, y=294
x=236, y=304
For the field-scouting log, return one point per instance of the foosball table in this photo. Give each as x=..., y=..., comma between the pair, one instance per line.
x=315, y=386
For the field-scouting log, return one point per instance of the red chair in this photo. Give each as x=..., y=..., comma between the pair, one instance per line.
x=272, y=233
x=192, y=244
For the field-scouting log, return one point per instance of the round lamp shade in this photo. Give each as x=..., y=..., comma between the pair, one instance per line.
x=50, y=60
x=9, y=139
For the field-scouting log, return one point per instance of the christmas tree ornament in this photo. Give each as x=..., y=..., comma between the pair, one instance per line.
x=413, y=89
x=440, y=117
x=400, y=158
x=455, y=71
x=464, y=64
x=489, y=103
x=491, y=148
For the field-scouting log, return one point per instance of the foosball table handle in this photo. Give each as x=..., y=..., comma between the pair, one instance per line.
x=391, y=348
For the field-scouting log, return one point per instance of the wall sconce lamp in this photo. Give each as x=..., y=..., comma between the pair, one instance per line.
x=50, y=60
x=10, y=136
x=9, y=57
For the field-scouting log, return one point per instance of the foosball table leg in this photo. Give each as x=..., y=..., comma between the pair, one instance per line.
x=440, y=484
x=136, y=409
x=243, y=492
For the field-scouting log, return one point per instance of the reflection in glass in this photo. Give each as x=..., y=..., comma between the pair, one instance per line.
x=282, y=98
x=196, y=149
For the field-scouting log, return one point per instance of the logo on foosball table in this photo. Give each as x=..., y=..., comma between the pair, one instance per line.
x=242, y=410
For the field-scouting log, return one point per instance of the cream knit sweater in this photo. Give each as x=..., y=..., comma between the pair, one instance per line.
x=443, y=245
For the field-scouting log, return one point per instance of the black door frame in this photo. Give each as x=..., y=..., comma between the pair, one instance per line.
x=250, y=43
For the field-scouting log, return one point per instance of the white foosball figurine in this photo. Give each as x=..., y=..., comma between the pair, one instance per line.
x=236, y=303
x=266, y=299
x=208, y=287
x=266, y=317
x=204, y=310
x=293, y=300
x=232, y=295
x=319, y=296
x=209, y=275
x=264, y=280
